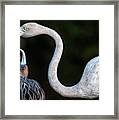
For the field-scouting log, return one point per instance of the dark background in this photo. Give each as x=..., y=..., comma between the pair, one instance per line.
x=81, y=43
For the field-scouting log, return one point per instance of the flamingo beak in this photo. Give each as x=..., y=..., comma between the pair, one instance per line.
x=21, y=31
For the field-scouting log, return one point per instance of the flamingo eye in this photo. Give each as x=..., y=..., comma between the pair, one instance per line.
x=25, y=28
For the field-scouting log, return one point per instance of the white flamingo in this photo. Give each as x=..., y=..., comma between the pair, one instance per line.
x=87, y=87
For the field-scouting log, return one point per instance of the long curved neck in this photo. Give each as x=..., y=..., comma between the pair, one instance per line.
x=52, y=70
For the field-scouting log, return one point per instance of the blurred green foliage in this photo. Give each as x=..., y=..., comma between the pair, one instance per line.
x=81, y=43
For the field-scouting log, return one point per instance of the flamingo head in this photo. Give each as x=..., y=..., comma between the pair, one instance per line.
x=31, y=29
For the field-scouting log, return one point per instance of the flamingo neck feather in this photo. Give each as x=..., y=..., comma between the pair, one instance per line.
x=53, y=66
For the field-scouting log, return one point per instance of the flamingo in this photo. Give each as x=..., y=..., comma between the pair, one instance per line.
x=87, y=87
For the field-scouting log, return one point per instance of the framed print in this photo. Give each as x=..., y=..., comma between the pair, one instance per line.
x=59, y=60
